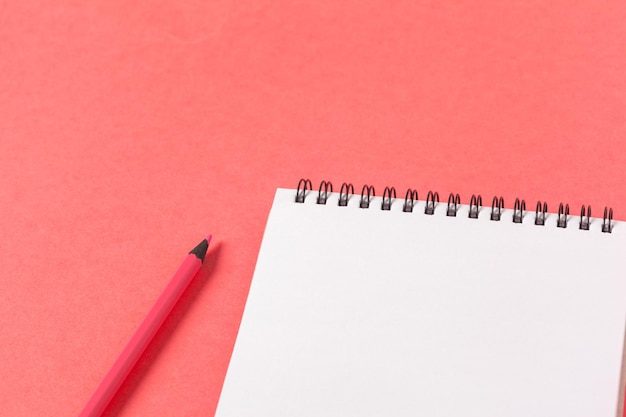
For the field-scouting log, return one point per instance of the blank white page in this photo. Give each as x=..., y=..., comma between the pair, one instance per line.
x=364, y=312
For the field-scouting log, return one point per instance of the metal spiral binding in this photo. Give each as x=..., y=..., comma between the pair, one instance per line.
x=518, y=210
x=497, y=205
x=584, y=223
x=411, y=195
x=344, y=193
x=388, y=195
x=431, y=200
x=540, y=213
x=322, y=197
x=454, y=201
x=561, y=220
x=365, y=198
x=475, y=204
x=301, y=194
x=607, y=220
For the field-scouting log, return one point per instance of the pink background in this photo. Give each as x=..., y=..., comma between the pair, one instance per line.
x=129, y=130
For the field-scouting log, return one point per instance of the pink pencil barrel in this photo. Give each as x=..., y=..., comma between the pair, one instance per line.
x=146, y=331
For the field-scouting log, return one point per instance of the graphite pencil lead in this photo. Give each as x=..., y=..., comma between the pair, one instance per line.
x=201, y=249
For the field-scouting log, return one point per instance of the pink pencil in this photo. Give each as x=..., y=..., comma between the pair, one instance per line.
x=144, y=334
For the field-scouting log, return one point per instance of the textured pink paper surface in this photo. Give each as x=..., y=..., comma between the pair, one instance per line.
x=130, y=130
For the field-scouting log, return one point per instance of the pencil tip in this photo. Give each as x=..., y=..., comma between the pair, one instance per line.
x=201, y=249
x=208, y=238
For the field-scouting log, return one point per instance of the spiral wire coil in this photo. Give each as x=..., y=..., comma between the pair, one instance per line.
x=454, y=201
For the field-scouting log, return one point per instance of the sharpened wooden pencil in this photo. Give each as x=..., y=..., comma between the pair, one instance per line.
x=146, y=331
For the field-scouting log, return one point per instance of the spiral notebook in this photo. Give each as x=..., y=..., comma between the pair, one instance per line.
x=381, y=306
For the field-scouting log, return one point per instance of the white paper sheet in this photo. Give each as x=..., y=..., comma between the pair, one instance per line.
x=363, y=312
